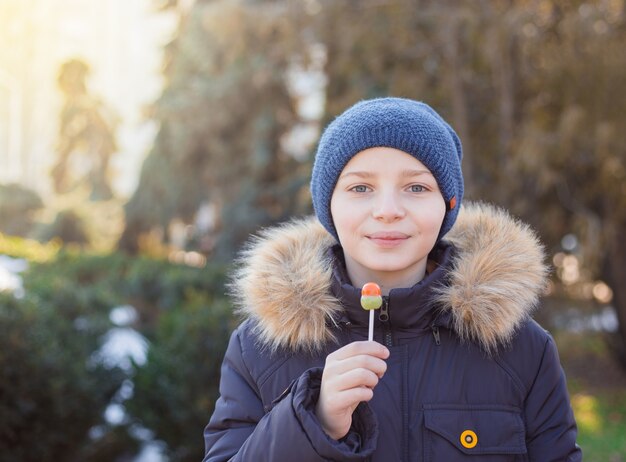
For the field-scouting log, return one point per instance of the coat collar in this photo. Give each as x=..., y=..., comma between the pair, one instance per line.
x=284, y=281
x=409, y=308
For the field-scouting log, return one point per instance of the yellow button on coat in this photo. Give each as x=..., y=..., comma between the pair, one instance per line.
x=469, y=439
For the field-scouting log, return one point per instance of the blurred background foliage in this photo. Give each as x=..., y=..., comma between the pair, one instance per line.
x=534, y=89
x=58, y=379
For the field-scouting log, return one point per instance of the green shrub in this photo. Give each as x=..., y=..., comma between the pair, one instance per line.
x=153, y=286
x=53, y=390
x=176, y=389
x=79, y=287
x=52, y=393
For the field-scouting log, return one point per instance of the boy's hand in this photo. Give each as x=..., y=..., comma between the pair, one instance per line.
x=349, y=377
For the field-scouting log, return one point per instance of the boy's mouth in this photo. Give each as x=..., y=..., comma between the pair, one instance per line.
x=388, y=235
x=388, y=239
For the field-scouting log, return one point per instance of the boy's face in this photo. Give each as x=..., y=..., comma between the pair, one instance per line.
x=388, y=210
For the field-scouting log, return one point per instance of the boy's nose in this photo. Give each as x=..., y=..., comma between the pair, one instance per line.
x=388, y=207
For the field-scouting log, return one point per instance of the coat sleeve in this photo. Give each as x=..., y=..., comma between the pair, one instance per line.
x=551, y=428
x=240, y=429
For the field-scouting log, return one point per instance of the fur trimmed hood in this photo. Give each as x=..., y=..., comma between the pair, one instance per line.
x=284, y=280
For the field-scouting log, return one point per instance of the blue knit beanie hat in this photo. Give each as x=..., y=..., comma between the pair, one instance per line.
x=404, y=124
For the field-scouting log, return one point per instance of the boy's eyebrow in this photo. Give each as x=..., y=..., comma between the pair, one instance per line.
x=408, y=173
x=404, y=173
x=359, y=174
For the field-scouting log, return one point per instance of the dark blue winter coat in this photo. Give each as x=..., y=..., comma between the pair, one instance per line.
x=470, y=376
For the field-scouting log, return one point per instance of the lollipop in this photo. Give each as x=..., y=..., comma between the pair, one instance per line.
x=371, y=300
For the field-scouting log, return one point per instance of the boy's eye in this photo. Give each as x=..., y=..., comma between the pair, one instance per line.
x=360, y=188
x=417, y=188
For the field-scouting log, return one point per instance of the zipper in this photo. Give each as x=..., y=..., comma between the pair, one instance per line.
x=383, y=317
x=436, y=335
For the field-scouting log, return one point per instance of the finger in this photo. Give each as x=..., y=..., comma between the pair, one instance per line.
x=372, y=363
x=354, y=378
x=349, y=399
x=361, y=347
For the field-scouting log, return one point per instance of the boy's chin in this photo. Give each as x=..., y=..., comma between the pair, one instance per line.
x=391, y=267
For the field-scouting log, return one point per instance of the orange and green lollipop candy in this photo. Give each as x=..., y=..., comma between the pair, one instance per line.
x=371, y=300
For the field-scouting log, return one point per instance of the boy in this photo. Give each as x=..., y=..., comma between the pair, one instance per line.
x=458, y=369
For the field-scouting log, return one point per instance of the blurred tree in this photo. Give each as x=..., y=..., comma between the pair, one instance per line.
x=569, y=151
x=17, y=206
x=223, y=114
x=86, y=137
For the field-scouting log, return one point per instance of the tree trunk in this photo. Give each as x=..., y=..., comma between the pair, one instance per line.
x=506, y=83
x=614, y=274
x=460, y=113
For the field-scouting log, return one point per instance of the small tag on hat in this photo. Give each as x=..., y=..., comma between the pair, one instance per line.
x=452, y=203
